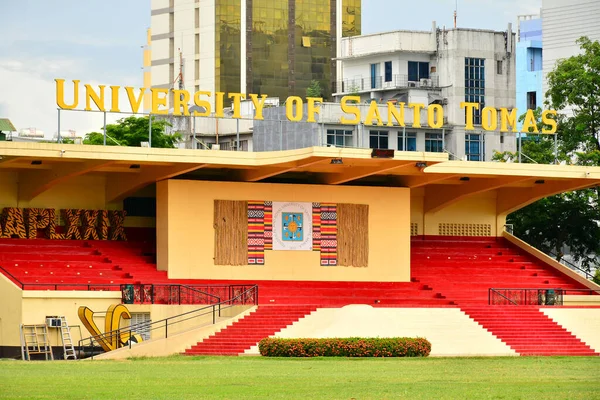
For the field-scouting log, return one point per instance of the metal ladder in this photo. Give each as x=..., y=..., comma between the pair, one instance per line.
x=34, y=340
x=65, y=335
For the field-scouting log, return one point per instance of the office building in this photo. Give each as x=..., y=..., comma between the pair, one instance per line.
x=529, y=64
x=273, y=47
x=440, y=66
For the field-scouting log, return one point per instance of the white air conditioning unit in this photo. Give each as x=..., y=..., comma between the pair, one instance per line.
x=412, y=84
x=53, y=322
x=425, y=82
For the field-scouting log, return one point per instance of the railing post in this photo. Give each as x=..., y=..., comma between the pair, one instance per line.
x=179, y=293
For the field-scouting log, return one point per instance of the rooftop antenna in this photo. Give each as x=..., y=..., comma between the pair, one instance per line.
x=180, y=75
x=455, y=13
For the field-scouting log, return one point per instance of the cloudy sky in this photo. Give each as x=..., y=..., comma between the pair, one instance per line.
x=99, y=42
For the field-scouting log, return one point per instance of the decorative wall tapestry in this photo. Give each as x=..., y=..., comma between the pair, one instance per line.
x=339, y=232
x=292, y=226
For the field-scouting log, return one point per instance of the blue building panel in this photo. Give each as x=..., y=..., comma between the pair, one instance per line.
x=529, y=66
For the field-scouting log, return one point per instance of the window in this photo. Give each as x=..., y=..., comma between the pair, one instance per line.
x=339, y=138
x=411, y=141
x=535, y=59
x=499, y=67
x=473, y=147
x=531, y=101
x=418, y=70
x=475, y=85
x=378, y=139
x=434, y=142
x=388, y=71
x=375, y=78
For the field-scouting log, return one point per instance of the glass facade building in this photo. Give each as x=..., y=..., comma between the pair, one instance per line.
x=288, y=44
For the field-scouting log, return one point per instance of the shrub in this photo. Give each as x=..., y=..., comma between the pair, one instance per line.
x=345, y=347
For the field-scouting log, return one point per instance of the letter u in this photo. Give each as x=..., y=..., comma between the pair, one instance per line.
x=60, y=94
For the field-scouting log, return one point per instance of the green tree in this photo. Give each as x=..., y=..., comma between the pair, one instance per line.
x=570, y=220
x=314, y=89
x=132, y=131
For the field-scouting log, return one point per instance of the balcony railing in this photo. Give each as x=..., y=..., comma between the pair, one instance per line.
x=361, y=84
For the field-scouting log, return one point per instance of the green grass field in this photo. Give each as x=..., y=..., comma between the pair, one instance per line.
x=323, y=378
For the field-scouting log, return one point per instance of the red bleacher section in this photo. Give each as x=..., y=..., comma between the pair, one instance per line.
x=247, y=332
x=39, y=264
x=446, y=272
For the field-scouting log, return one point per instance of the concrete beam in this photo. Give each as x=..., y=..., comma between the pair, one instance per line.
x=415, y=181
x=512, y=199
x=255, y=175
x=119, y=187
x=32, y=183
x=436, y=200
x=354, y=173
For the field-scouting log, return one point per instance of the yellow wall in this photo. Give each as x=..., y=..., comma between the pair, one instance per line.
x=10, y=312
x=477, y=209
x=185, y=224
x=86, y=192
x=37, y=304
x=9, y=189
x=416, y=208
x=159, y=312
x=78, y=192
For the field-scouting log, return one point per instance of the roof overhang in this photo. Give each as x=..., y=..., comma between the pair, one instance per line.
x=126, y=169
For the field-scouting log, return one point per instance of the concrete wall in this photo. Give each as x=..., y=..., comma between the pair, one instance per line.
x=187, y=223
x=449, y=330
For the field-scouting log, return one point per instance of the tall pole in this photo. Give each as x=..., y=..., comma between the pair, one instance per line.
x=238, y=133
x=556, y=148
x=105, y=128
x=150, y=130
x=58, y=132
x=194, y=133
x=280, y=135
x=520, y=146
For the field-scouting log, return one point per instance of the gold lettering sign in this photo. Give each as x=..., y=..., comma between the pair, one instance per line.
x=25, y=223
x=112, y=323
x=294, y=108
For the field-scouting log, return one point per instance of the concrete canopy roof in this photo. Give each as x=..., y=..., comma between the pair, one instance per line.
x=127, y=169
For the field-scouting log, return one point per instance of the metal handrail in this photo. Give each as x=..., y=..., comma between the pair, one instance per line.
x=171, y=288
x=213, y=308
x=525, y=295
x=491, y=290
x=571, y=265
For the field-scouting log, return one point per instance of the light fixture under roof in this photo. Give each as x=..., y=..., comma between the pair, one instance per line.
x=336, y=161
x=465, y=178
x=36, y=162
x=540, y=182
x=134, y=166
x=421, y=164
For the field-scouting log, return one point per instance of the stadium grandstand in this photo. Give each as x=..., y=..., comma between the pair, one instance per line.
x=113, y=252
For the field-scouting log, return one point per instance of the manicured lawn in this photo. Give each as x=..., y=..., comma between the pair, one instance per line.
x=323, y=378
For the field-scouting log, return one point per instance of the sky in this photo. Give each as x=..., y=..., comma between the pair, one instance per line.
x=99, y=42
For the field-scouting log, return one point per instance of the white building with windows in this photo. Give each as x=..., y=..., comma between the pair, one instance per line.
x=441, y=66
x=563, y=22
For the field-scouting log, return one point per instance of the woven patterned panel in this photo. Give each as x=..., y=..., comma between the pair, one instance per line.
x=328, y=234
x=268, y=225
x=316, y=218
x=465, y=229
x=231, y=232
x=353, y=235
x=256, y=232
